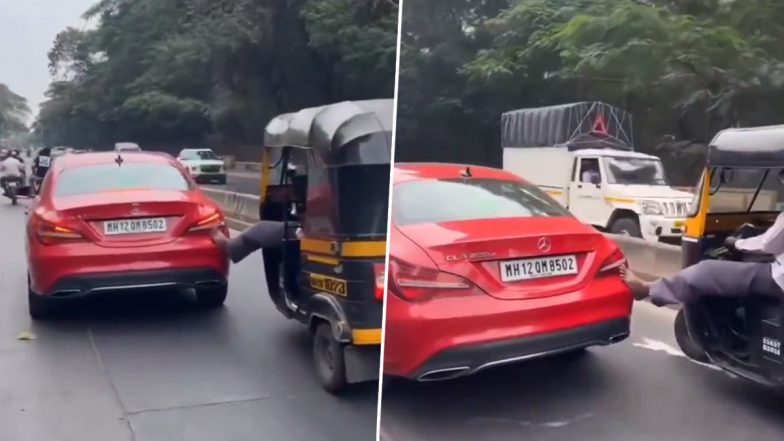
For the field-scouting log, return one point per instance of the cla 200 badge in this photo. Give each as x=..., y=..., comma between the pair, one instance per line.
x=469, y=256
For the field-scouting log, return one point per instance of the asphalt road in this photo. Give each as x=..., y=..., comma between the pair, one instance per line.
x=153, y=368
x=642, y=389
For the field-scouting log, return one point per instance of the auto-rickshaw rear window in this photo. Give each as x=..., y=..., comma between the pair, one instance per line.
x=740, y=190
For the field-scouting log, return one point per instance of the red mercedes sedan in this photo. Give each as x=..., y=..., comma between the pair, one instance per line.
x=485, y=270
x=108, y=221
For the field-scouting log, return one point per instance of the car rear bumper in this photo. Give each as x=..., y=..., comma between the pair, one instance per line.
x=202, y=177
x=180, y=262
x=466, y=360
x=472, y=333
x=90, y=284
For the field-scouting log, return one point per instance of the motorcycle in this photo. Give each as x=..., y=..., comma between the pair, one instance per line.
x=15, y=189
x=11, y=191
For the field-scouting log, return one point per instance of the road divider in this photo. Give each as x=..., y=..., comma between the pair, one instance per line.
x=648, y=258
x=247, y=166
x=241, y=210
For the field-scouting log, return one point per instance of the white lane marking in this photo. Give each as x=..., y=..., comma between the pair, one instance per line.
x=523, y=423
x=660, y=346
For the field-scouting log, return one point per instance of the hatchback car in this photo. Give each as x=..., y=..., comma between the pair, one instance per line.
x=486, y=269
x=105, y=222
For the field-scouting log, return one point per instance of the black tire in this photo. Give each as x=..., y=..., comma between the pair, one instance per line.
x=329, y=360
x=685, y=342
x=212, y=298
x=626, y=226
x=39, y=307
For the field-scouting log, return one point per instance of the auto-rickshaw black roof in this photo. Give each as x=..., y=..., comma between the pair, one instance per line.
x=751, y=147
x=328, y=129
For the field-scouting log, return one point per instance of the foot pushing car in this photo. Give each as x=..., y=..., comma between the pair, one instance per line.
x=108, y=222
x=485, y=270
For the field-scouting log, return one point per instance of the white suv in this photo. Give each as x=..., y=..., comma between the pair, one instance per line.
x=204, y=165
x=122, y=147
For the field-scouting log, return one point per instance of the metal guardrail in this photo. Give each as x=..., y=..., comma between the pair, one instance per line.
x=648, y=258
x=247, y=166
x=242, y=209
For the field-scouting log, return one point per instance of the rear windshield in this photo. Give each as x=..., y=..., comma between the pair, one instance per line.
x=459, y=200
x=198, y=154
x=110, y=177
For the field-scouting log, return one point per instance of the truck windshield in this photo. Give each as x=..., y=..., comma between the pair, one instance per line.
x=634, y=171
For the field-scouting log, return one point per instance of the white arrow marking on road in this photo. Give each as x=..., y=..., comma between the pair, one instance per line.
x=523, y=423
x=660, y=346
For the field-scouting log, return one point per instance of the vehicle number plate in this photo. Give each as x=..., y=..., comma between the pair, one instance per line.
x=771, y=346
x=134, y=226
x=526, y=269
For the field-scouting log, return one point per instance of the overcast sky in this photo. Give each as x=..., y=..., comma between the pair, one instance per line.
x=27, y=30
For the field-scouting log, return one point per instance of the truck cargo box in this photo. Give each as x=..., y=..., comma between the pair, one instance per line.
x=584, y=125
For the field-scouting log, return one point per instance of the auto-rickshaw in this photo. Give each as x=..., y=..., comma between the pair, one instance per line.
x=325, y=173
x=741, y=193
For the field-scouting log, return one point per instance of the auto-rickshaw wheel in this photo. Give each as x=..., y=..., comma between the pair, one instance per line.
x=329, y=359
x=685, y=342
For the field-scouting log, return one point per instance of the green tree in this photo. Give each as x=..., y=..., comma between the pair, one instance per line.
x=172, y=72
x=684, y=69
x=13, y=112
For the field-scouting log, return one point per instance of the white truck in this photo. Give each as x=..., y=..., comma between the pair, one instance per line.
x=581, y=155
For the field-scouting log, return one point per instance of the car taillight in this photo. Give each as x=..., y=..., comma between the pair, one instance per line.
x=612, y=265
x=209, y=224
x=380, y=272
x=416, y=284
x=49, y=233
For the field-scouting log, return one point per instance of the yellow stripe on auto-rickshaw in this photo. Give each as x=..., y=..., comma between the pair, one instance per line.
x=554, y=192
x=610, y=200
x=322, y=259
x=366, y=336
x=376, y=248
x=695, y=224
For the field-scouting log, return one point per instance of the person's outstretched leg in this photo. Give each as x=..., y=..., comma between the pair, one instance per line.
x=708, y=278
x=264, y=234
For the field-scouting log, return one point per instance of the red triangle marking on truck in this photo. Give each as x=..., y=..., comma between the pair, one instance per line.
x=599, y=127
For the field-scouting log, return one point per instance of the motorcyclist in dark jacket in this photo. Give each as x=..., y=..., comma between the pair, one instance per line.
x=41, y=164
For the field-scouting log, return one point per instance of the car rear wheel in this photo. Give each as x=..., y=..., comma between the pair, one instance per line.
x=213, y=297
x=329, y=360
x=39, y=306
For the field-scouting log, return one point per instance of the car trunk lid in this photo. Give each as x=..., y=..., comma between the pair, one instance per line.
x=481, y=251
x=130, y=218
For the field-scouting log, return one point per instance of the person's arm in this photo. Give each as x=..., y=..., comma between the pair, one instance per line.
x=770, y=242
